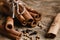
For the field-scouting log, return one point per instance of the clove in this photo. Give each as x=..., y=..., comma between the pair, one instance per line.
x=33, y=33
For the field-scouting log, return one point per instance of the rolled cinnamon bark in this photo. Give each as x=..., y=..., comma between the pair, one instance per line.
x=33, y=24
x=21, y=19
x=37, y=17
x=54, y=27
x=25, y=13
x=7, y=34
x=30, y=9
x=10, y=27
x=33, y=13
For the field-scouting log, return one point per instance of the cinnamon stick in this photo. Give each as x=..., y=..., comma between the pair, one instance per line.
x=25, y=14
x=10, y=27
x=37, y=17
x=30, y=9
x=33, y=13
x=33, y=24
x=21, y=19
x=54, y=27
x=7, y=34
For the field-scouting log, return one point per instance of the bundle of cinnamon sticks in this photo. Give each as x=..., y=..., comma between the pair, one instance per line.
x=25, y=15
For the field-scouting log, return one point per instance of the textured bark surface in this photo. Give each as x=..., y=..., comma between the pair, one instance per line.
x=48, y=9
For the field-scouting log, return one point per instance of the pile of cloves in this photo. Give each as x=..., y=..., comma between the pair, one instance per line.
x=29, y=34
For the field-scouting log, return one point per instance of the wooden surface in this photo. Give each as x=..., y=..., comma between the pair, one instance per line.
x=48, y=9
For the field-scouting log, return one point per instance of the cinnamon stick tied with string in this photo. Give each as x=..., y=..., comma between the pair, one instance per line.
x=25, y=13
x=20, y=18
x=54, y=27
